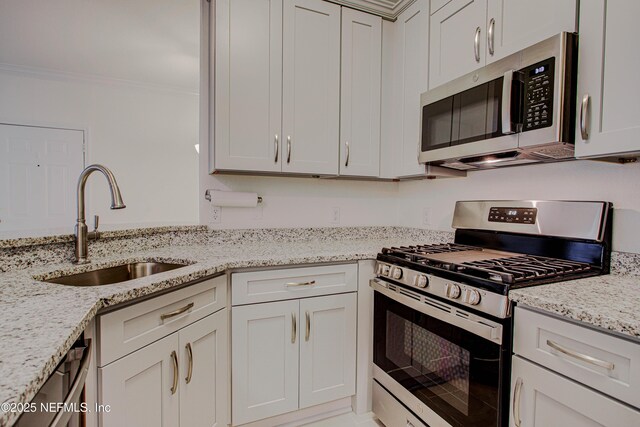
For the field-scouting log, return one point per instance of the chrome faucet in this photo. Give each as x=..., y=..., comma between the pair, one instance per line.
x=81, y=232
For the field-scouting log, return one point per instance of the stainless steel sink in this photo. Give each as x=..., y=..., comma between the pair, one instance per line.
x=120, y=273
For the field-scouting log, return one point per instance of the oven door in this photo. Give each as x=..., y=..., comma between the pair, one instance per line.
x=446, y=365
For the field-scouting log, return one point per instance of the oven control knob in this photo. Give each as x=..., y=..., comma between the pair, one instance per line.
x=473, y=297
x=422, y=281
x=453, y=291
x=383, y=269
x=396, y=273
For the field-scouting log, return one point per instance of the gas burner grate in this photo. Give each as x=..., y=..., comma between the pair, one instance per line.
x=522, y=268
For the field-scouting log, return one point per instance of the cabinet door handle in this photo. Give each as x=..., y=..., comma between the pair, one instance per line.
x=294, y=328
x=294, y=284
x=308, y=331
x=582, y=357
x=491, y=36
x=584, y=117
x=174, y=387
x=276, y=145
x=176, y=312
x=348, y=152
x=190, y=369
x=516, y=402
x=288, y=149
x=476, y=45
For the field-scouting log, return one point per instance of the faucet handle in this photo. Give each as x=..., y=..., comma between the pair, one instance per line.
x=96, y=222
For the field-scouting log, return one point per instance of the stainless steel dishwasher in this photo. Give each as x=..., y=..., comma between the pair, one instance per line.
x=60, y=401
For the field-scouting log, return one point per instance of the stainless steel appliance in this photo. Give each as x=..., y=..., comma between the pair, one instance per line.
x=60, y=401
x=517, y=110
x=442, y=327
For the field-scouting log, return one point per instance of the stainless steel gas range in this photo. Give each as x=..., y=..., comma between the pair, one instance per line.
x=442, y=316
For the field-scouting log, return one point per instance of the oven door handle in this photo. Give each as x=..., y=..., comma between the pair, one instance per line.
x=476, y=325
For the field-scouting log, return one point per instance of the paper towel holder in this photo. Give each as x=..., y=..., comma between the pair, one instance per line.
x=207, y=196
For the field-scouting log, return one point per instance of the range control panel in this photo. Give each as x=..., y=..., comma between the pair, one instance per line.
x=538, y=102
x=513, y=215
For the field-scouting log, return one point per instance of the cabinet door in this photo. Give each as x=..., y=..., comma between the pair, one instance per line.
x=248, y=85
x=203, y=372
x=546, y=399
x=138, y=387
x=327, y=349
x=360, y=96
x=513, y=25
x=264, y=371
x=457, y=40
x=607, y=77
x=311, y=92
x=413, y=36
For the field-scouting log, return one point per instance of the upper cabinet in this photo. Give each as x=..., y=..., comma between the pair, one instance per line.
x=468, y=34
x=608, y=89
x=360, y=97
x=311, y=87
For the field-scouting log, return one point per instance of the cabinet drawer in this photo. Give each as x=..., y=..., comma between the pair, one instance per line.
x=291, y=283
x=580, y=353
x=128, y=329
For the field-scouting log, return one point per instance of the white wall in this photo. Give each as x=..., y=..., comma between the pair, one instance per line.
x=144, y=134
x=578, y=180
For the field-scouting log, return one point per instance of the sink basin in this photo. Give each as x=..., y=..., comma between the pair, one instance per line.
x=117, y=274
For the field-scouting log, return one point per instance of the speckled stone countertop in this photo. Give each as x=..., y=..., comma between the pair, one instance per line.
x=611, y=302
x=40, y=321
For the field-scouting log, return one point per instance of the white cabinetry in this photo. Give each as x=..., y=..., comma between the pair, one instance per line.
x=608, y=86
x=178, y=378
x=292, y=354
x=311, y=87
x=564, y=373
x=468, y=34
x=360, y=97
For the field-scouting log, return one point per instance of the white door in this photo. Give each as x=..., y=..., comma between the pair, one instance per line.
x=140, y=387
x=39, y=169
x=360, y=97
x=311, y=87
x=607, y=78
x=327, y=348
x=457, y=40
x=204, y=372
x=513, y=25
x=413, y=36
x=248, y=85
x=546, y=399
x=264, y=372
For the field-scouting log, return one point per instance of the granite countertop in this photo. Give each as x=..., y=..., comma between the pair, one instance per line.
x=40, y=321
x=611, y=302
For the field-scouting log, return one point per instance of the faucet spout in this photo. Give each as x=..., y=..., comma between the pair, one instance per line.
x=81, y=232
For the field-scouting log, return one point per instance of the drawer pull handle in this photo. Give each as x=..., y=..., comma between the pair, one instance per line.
x=177, y=312
x=190, y=369
x=174, y=358
x=579, y=356
x=293, y=284
x=516, y=403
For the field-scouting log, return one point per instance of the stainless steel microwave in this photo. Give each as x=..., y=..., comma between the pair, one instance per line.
x=517, y=110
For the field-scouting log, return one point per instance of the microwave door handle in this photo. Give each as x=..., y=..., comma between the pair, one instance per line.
x=507, y=99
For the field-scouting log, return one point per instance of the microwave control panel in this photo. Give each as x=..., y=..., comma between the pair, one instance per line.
x=513, y=215
x=538, y=98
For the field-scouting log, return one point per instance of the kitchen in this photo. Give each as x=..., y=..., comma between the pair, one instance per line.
x=266, y=152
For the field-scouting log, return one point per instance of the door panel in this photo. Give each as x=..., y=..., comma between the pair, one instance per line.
x=327, y=348
x=265, y=360
x=248, y=82
x=360, y=97
x=311, y=92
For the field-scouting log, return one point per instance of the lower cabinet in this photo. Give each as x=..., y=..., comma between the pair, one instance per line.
x=290, y=355
x=178, y=380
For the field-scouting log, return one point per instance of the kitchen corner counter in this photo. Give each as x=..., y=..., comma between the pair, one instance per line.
x=610, y=302
x=40, y=321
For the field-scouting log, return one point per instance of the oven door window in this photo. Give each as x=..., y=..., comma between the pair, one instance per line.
x=454, y=372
